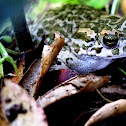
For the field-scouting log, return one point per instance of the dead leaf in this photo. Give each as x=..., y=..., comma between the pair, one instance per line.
x=19, y=108
x=3, y=121
x=111, y=109
x=83, y=83
x=32, y=55
x=20, y=67
x=123, y=3
x=31, y=77
x=49, y=54
x=54, y=78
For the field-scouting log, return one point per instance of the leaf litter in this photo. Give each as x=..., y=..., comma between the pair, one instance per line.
x=33, y=79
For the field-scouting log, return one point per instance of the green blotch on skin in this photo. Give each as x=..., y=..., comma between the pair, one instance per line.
x=83, y=36
x=86, y=47
x=62, y=16
x=57, y=62
x=50, y=42
x=115, y=51
x=55, y=12
x=40, y=32
x=124, y=30
x=52, y=36
x=120, y=22
x=124, y=49
x=70, y=28
x=67, y=59
x=36, y=42
x=114, y=18
x=76, y=47
x=51, y=22
x=98, y=50
x=45, y=23
x=77, y=50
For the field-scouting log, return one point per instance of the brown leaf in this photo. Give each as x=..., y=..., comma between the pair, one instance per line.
x=3, y=121
x=49, y=54
x=19, y=108
x=123, y=3
x=20, y=67
x=31, y=77
x=83, y=83
x=108, y=110
x=54, y=78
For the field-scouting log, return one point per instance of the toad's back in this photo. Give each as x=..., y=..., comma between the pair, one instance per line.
x=92, y=38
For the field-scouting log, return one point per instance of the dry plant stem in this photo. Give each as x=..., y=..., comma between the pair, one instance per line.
x=111, y=109
x=85, y=83
x=49, y=54
x=103, y=96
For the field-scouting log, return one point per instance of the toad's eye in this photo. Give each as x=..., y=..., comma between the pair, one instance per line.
x=110, y=40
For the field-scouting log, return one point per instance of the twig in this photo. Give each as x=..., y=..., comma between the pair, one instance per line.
x=103, y=96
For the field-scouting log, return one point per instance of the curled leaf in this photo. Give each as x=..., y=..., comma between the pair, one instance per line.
x=111, y=109
x=31, y=77
x=3, y=121
x=21, y=67
x=85, y=83
x=19, y=108
x=49, y=54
